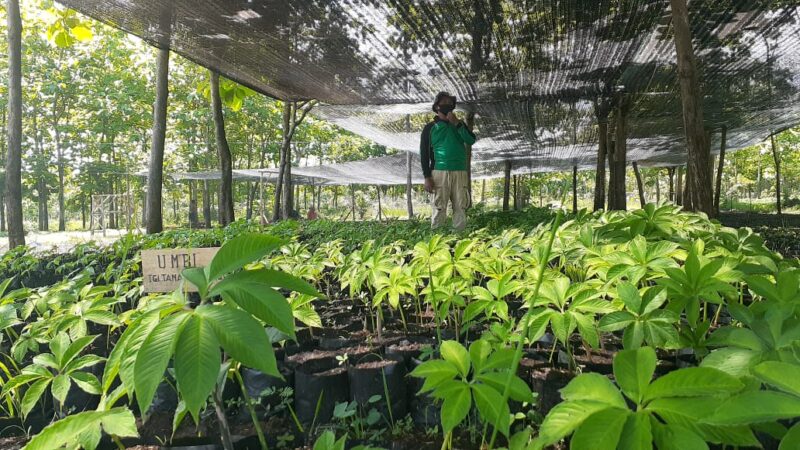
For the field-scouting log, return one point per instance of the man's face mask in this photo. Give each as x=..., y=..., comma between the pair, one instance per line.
x=446, y=109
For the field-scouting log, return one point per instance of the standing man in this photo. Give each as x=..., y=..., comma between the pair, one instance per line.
x=444, y=162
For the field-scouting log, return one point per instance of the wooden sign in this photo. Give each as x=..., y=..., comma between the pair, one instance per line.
x=161, y=268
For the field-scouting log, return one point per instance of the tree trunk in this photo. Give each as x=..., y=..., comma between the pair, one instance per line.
x=193, y=216
x=283, y=184
x=777, y=158
x=602, y=149
x=620, y=154
x=16, y=232
x=722, y=147
x=224, y=154
x=206, y=204
x=62, y=223
x=506, y=184
x=155, y=223
x=639, y=183
x=409, y=200
x=574, y=189
x=679, y=186
x=698, y=152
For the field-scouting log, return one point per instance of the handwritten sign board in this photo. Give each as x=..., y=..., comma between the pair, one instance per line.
x=161, y=268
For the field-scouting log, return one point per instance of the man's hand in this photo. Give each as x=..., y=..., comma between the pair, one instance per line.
x=429, y=186
x=452, y=118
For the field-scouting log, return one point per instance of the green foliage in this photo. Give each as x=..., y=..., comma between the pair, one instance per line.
x=683, y=409
x=476, y=377
x=194, y=337
x=84, y=429
x=643, y=320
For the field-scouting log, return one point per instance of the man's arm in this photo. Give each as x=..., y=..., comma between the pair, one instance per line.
x=466, y=135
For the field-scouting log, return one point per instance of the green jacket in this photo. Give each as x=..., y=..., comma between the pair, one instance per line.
x=442, y=146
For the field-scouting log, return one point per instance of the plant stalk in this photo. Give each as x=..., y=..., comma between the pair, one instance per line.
x=252, y=410
x=525, y=324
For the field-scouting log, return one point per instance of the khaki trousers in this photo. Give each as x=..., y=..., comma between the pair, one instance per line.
x=450, y=186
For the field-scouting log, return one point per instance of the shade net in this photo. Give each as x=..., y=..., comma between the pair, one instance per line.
x=532, y=71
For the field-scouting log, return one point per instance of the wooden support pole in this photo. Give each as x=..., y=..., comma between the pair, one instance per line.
x=506, y=184
x=679, y=186
x=671, y=176
x=574, y=189
x=380, y=216
x=516, y=194
x=353, y=201
x=601, y=111
x=639, y=184
x=409, y=187
x=658, y=187
x=723, y=136
x=776, y=157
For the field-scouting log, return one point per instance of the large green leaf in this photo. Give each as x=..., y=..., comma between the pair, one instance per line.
x=637, y=433
x=266, y=304
x=127, y=358
x=518, y=390
x=32, y=395
x=616, y=321
x=197, y=363
x=791, y=441
x=153, y=358
x=673, y=437
x=75, y=348
x=691, y=382
x=594, y=387
x=731, y=360
x=60, y=387
x=242, y=337
x=601, y=430
x=239, y=251
x=781, y=375
x=113, y=363
x=197, y=276
x=455, y=406
x=492, y=407
x=254, y=280
x=564, y=418
x=435, y=372
x=633, y=370
x=756, y=407
x=457, y=355
x=117, y=421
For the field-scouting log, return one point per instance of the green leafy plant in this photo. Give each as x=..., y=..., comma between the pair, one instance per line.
x=643, y=319
x=194, y=336
x=56, y=370
x=683, y=409
x=461, y=379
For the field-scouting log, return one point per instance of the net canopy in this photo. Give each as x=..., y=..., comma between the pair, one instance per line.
x=532, y=71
